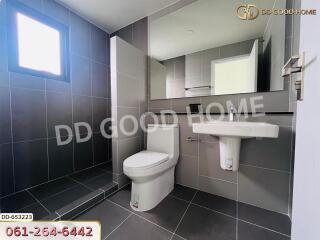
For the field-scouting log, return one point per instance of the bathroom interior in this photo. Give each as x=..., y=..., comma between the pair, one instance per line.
x=186, y=176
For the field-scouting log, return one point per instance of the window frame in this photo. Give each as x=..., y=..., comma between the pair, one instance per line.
x=14, y=7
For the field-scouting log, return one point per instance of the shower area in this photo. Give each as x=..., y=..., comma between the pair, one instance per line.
x=55, y=161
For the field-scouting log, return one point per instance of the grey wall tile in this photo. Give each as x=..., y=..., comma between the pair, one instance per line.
x=100, y=79
x=127, y=89
x=5, y=113
x=127, y=148
x=35, y=4
x=80, y=36
x=58, y=86
x=28, y=114
x=180, y=105
x=98, y=45
x=236, y=49
x=140, y=35
x=264, y=188
x=268, y=153
x=218, y=187
x=219, y=104
x=282, y=120
x=82, y=111
x=100, y=149
x=27, y=81
x=100, y=112
x=56, y=11
x=59, y=112
x=6, y=170
x=2, y=13
x=30, y=158
x=126, y=126
x=60, y=158
x=186, y=147
x=209, y=162
x=126, y=33
x=271, y=101
x=83, y=154
x=158, y=105
x=187, y=171
x=4, y=73
x=81, y=75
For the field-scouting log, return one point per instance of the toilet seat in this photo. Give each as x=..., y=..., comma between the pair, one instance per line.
x=145, y=160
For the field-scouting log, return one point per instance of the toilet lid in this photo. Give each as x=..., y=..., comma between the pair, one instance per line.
x=145, y=159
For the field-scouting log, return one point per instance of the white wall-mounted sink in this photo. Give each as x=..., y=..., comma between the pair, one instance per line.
x=230, y=134
x=237, y=129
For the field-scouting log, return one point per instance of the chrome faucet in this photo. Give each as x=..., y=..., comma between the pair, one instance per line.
x=231, y=114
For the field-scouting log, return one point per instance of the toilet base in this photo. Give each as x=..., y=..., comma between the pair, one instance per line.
x=147, y=195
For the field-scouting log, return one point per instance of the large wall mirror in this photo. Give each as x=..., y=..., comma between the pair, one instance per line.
x=204, y=48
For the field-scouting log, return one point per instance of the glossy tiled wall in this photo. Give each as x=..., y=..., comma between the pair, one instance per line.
x=32, y=106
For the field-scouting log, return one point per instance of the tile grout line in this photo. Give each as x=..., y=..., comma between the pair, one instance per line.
x=88, y=200
x=119, y=225
x=91, y=100
x=179, y=198
x=215, y=211
x=38, y=201
x=47, y=129
x=175, y=230
x=283, y=234
x=88, y=188
x=72, y=102
x=85, y=210
x=137, y=215
x=11, y=131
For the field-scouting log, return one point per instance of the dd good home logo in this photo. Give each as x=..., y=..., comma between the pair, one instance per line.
x=247, y=12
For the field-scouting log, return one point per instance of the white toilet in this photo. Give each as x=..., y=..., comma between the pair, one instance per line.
x=152, y=171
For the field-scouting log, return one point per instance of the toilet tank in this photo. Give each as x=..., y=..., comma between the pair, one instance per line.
x=164, y=138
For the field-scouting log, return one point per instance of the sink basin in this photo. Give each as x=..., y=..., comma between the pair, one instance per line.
x=230, y=135
x=237, y=129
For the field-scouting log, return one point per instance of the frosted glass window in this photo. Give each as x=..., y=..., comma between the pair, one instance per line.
x=38, y=46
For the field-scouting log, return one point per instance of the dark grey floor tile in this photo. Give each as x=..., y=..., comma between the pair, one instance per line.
x=203, y=224
x=250, y=232
x=137, y=228
x=64, y=198
x=167, y=214
x=80, y=205
x=123, y=197
x=99, y=181
x=109, y=215
x=52, y=188
x=183, y=192
x=216, y=203
x=87, y=174
x=15, y=202
x=265, y=218
x=38, y=211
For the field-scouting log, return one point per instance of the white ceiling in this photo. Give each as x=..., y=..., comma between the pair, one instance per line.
x=112, y=15
x=202, y=25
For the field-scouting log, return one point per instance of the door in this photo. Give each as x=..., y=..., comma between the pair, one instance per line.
x=306, y=193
